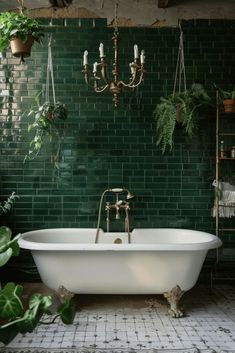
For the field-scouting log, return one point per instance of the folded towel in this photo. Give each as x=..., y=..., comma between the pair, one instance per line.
x=226, y=194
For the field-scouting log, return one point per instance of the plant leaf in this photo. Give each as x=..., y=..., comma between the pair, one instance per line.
x=5, y=235
x=5, y=256
x=10, y=302
x=67, y=311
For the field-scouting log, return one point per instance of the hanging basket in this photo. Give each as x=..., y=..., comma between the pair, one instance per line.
x=229, y=105
x=21, y=49
x=179, y=113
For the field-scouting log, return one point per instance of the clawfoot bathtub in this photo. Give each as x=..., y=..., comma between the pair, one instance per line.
x=157, y=261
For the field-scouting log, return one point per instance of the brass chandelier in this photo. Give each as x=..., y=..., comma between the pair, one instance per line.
x=100, y=76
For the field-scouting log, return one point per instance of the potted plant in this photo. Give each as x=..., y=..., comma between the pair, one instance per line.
x=228, y=99
x=15, y=315
x=20, y=31
x=46, y=125
x=183, y=107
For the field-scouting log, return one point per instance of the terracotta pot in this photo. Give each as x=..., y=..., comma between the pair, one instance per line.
x=21, y=49
x=229, y=105
x=178, y=113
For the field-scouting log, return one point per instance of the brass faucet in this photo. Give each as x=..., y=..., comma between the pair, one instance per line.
x=118, y=205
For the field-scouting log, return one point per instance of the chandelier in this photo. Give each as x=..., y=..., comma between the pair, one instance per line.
x=100, y=79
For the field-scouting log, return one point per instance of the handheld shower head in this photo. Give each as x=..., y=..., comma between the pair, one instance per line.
x=117, y=190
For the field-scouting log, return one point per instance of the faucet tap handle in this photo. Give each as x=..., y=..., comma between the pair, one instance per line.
x=108, y=206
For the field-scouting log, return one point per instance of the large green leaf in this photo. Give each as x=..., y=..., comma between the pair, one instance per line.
x=10, y=302
x=5, y=235
x=41, y=301
x=5, y=256
x=67, y=311
x=38, y=305
x=13, y=244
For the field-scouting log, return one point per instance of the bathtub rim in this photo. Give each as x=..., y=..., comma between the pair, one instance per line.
x=24, y=243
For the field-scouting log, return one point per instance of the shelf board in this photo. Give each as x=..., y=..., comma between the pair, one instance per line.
x=226, y=229
x=227, y=158
x=226, y=133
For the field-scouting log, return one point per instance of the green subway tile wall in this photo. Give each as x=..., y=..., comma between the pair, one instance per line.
x=104, y=147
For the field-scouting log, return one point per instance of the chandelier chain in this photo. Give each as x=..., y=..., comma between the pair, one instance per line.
x=21, y=8
x=115, y=18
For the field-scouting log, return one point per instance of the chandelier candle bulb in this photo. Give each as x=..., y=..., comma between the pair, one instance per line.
x=85, y=58
x=95, y=67
x=101, y=49
x=142, y=57
x=136, y=51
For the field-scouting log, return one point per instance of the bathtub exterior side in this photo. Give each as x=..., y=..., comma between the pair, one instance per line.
x=119, y=272
x=156, y=260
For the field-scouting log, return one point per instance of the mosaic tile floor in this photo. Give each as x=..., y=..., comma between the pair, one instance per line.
x=130, y=322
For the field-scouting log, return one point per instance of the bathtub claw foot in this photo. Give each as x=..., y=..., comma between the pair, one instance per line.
x=173, y=297
x=64, y=294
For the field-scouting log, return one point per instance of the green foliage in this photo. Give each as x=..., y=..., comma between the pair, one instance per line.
x=67, y=311
x=186, y=105
x=18, y=25
x=7, y=205
x=225, y=94
x=46, y=125
x=8, y=247
x=16, y=319
x=10, y=303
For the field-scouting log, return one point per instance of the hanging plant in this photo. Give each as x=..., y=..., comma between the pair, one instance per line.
x=49, y=117
x=46, y=126
x=179, y=107
x=20, y=31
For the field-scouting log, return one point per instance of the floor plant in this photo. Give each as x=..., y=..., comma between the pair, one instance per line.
x=16, y=316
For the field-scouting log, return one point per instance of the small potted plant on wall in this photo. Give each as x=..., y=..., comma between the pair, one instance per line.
x=181, y=107
x=228, y=99
x=20, y=31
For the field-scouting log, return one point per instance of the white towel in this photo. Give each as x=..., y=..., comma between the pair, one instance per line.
x=226, y=200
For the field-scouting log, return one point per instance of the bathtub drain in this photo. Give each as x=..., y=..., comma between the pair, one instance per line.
x=118, y=241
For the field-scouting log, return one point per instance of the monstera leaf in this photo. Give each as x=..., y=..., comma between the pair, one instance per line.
x=67, y=312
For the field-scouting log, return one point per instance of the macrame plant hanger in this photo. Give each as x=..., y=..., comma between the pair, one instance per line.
x=50, y=74
x=50, y=81
x=21, y=11
x=180, y=75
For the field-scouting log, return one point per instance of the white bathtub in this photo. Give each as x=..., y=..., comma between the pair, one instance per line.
x=155, y=261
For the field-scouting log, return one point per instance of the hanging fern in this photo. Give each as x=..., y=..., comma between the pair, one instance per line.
x=165, y=114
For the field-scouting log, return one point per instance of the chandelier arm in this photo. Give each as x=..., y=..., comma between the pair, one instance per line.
x=103, y=74
x=86, y=76
x=100, y=89
x=131, y=84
